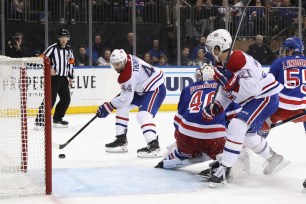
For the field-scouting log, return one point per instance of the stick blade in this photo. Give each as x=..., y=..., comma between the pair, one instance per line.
x=55, y=146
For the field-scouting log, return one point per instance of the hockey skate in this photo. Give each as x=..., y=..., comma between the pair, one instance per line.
x=117, y=146
x=60, y=123
x=206, y=172
x=150, y=151
x=275, y=164
x=39, y=124
x=160, y=165
x=219, y=176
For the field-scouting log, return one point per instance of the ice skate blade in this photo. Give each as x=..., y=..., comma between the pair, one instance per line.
x=120, y=149
x=59, y=125
x=152, y=154
x=217, y=185
x=39, y=128
x=282, y=165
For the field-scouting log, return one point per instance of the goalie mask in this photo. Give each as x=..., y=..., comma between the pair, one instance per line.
x=219, y=38
x=204, y=73
x=118, y=59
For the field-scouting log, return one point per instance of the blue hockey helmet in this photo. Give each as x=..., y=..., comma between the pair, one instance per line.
x=294, y=43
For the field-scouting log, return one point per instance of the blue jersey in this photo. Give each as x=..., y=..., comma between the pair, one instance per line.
x=188, y=119
x=291, y=72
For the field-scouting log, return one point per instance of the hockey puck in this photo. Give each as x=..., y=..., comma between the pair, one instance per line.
x=62, y=156
x=304, y=184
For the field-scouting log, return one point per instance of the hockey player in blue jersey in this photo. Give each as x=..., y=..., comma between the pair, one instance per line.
x=197, y=140
x=243, y=81
x=290, y=71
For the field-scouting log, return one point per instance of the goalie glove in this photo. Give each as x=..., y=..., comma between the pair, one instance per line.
x=104, y=110
x=209, y=113
x=227, y=79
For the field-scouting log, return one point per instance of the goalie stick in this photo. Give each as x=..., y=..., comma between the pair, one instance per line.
x=62, y=146
x=246, y=4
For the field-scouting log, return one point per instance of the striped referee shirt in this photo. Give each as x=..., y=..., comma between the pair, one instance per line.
x=62, y=59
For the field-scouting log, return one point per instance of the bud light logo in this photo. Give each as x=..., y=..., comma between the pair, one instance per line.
x=178, y=83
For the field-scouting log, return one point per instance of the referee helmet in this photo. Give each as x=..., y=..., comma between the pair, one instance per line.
x=63, y=32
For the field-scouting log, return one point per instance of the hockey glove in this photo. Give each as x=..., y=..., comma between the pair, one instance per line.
x=227, y=79
x=104, y=110
x=209, y=113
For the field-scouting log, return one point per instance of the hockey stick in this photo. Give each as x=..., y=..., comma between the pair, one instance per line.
x=246, y=4
x=289, y=119
x=62, y=146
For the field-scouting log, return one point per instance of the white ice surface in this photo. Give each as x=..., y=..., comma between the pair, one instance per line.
x=90, y=175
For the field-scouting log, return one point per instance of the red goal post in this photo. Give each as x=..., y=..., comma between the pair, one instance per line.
x=25, y=153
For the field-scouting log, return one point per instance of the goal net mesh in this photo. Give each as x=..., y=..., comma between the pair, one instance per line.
x=22, y=148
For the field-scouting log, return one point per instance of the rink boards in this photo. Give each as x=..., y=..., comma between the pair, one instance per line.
x=96, y=85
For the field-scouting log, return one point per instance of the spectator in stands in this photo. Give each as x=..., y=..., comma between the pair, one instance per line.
x=139, y=9
x=257, y=17
x=81, y=57
x=70, y=11
x=14, y=46
x=162, y=61
x=261, y=52
x=185, y=57
x=118, y=10
x=101, y=10
x=147, y=58
x=105, y=60
x=287, y=17
x=247, y=27
x=271, y=17
x=128, y=45
x=97, y=48
x=19, y=9
x=201, y=45
x=155, y=51
x=220, y=18
x=204, y=17
x=201, y=59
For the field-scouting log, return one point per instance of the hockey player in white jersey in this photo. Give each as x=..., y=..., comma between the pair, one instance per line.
x=244, y=82
x=142, y=86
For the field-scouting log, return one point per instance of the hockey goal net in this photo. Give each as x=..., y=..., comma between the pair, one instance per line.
x=25, y=153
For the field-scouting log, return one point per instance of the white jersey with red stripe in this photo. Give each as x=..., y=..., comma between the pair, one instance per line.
x=253, y=81
x=137, y=76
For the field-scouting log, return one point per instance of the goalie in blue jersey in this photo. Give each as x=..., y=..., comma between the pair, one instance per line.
x=197, y=140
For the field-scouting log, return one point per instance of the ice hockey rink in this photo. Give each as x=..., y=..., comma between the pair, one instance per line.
x=90, y=175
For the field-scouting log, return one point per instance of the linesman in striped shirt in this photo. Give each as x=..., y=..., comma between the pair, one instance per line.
x=62, y=74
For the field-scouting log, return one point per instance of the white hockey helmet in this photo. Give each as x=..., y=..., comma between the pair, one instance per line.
x=221, y=38
x=204, y=73
x=118, y=59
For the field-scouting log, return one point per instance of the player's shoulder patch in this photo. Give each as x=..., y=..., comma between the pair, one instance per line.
x=236, y=61
x=126, y=73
